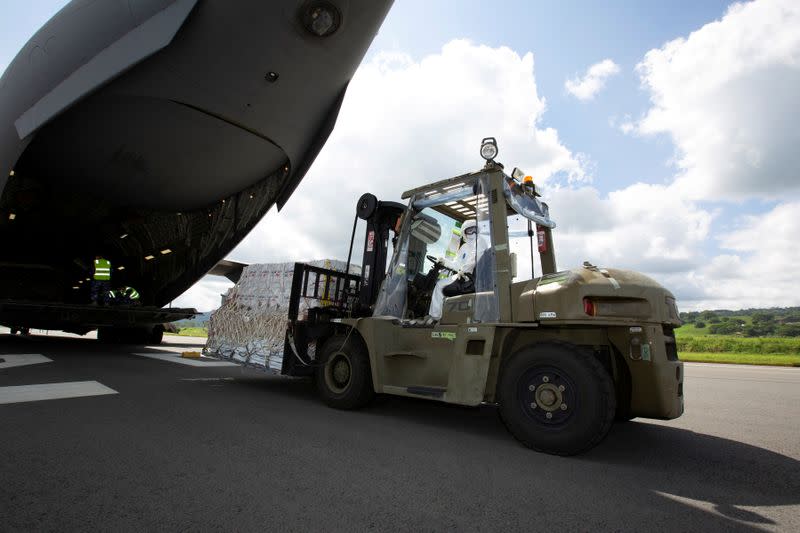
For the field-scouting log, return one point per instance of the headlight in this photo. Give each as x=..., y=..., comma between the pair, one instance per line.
x=489, y=148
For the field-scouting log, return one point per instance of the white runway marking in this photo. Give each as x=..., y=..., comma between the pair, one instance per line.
x=22, y=359
x=52, y=391
x=176, y=358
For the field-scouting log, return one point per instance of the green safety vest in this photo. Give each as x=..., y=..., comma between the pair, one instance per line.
x=131, y=293
x=102, y=269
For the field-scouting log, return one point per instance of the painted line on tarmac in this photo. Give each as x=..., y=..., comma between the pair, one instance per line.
x=53, y=391
x=173, y=358
x=22, y=359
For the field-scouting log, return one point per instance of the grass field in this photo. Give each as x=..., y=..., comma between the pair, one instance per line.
x=190, y=332
x=698, y=345
x=741, y=358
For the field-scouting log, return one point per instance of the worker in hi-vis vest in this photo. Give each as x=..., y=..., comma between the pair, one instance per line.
x=101, y=283
x=130, y=293
x=124, y=296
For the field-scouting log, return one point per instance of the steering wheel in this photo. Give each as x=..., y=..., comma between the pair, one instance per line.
x=438, y=263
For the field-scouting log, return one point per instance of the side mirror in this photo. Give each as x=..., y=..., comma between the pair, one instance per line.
x=512, y=258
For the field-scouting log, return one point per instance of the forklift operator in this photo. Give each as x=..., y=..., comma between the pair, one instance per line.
x=463, y=265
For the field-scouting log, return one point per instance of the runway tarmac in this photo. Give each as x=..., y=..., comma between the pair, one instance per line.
x=95, y=437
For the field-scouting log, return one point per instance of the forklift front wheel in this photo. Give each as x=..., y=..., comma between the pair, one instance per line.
x=343, y=377
x=556, y=398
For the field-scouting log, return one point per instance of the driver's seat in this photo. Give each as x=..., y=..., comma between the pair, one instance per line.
x=464, y=285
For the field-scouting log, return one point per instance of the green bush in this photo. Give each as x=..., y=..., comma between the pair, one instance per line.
x=763, y=318
x=760, y=329
x=725, y=328
x=721, y=344
x=699, y=324
x=788, y=330
x=689, y=316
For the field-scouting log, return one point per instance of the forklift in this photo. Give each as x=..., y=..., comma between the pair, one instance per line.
x=562, y=355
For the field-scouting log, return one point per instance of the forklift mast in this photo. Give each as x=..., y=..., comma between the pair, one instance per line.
x=381, y=217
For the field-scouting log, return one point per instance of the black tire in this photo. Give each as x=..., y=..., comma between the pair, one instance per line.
x=556, y=398
x=156, y=334
x=343, y=376
x=141, y=335
x=107, y=335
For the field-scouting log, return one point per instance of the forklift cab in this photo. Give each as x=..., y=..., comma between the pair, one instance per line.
x=431, y=231
x=446, y=359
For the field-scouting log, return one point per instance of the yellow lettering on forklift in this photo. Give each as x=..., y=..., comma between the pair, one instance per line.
x=443, y=335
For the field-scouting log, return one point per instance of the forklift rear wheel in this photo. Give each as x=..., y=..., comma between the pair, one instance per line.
x=556, y=398
x=343, y=377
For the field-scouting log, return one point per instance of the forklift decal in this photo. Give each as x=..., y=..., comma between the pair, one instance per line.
x=370, y=241
x=449, y=335
x=463, y=305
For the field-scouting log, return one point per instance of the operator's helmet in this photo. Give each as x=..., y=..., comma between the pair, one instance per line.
x=469, y=229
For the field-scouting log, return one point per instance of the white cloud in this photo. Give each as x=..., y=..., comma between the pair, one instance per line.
x=762, y=270
x=205, y=294
x=593, y=81
x=627, y=127
x=643, y=227
x=655, y=230
x=405, y=123
x=727, y=96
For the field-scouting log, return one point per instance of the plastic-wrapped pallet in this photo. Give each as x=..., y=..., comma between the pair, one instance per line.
x=250, y=326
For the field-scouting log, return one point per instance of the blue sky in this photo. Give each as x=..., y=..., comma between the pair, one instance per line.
x=681, y=160
x=566, y=37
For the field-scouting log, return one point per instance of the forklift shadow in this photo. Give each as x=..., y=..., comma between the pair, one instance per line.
x=482, y=421
x=673, y=462
x=725, y=473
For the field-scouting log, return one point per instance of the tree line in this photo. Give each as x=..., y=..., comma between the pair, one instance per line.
x=777, y=322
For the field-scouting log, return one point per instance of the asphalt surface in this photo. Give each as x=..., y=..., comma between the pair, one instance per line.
x=176, y=447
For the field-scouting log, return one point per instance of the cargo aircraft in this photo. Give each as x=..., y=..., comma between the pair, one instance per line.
x=156, y=134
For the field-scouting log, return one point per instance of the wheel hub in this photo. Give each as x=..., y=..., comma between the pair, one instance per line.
x=547, y=395
x=338, y=372
x=341, y=372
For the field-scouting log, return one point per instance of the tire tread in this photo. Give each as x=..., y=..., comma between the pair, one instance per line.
x=608, y=395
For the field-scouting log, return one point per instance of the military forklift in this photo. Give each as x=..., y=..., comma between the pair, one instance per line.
x=561, y=355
